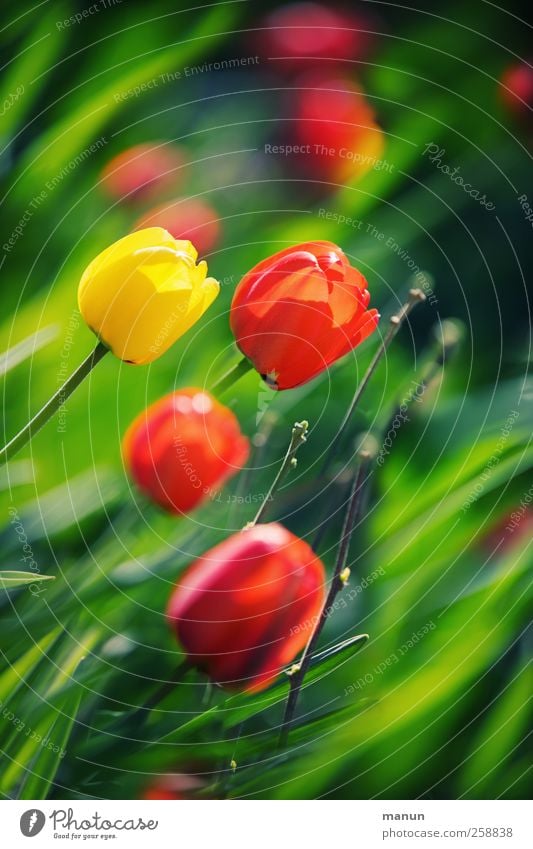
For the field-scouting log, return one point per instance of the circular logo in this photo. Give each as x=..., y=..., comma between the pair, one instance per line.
x=32, y=822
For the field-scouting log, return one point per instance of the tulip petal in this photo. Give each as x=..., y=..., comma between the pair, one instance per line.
x=146, y=238
x=298, y=311
x=142, y=293
x=296, y=276
x=181, y=449
x=238, y=611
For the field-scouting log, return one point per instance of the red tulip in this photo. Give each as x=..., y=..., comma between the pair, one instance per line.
x=337, y=128
x=181, y=449
x=512, y=530
x=516, y=89
x=179, y=786
x=302, y=34
x=142, y=171
x=300, y=310
x=245, y=608
x=193, y=219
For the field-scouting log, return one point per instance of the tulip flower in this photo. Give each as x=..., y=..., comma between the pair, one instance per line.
x=516, y=89
x=512, y=530
x=299, y=35
x=142, y=171
x=139, y=296
x=177, y=786
x=144, y=292
x=193, y=219
x=182, y=449
x=300, y=310
x=245, y=608
x=337, y=127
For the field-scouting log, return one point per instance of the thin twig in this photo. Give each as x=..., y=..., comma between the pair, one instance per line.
x=415, y=296
x=448, y=339
x=298, y=437
x=338, y=582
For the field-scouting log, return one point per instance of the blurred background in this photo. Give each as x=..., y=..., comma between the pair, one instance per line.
x=403, y=136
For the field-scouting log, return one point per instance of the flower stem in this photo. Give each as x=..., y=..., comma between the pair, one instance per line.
x=52, y=406
x=232, y=376
x=448, y=338
x=338, y=582
x=298, y=437
x=177, y=677
x=415, y=296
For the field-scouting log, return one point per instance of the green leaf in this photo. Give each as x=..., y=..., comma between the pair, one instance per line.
x=53, y=149
x=19, y=473
x=27, y=348
x=68, y=664
x=41, y=771
x=244, y=706
x=22, y=78
x=16, y=673
x=40, y=749
x=67, y=505
x=12, y=579
x=324, y=661
x=503, y=730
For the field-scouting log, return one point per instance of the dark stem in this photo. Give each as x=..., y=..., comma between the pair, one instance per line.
x=232, y=376
x=448, y=339
x=52, y=406
x=336, y=503
x=177, y=677
x=338, y=582
x=396, y=321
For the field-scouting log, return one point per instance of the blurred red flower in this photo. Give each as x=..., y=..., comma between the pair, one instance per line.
x=245, y=608
x=516, y=89
x=300, y=35
x=176, y=786
x=142, y=171
x=193, y=219
x=337, y=126
x=300, y=310
x=512, y=530
x=183, y=448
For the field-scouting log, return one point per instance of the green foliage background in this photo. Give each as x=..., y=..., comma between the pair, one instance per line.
x=448, y=716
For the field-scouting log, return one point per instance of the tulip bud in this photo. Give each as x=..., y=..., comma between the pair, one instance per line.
x=247, y=607
x=183, y=448
x=142, y=171
x=176, y=786
x=144, y=292
x=300, y=310
x=299, y=35
x=514, y=529
x=184, y=218
x=337, y=127
x=516, y=89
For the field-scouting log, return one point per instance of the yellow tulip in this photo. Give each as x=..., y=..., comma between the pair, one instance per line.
x=144, y=292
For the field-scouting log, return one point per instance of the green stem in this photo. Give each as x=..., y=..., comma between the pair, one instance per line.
x=53, y=405
x=165, y=690
x=232, y=376
x=338, y=582
x=299, y=436
x=396, y=321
